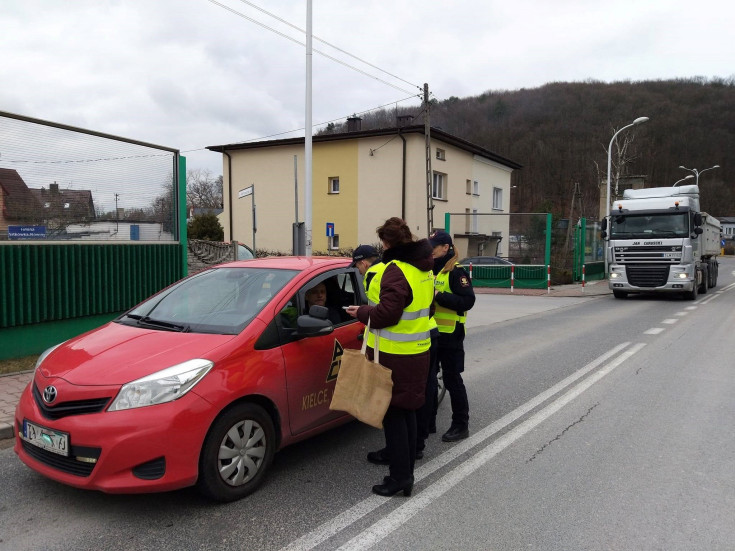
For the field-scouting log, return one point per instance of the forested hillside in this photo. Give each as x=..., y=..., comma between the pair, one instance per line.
x=560, y=133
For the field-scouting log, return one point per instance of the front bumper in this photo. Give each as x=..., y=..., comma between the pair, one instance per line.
x=148, y=449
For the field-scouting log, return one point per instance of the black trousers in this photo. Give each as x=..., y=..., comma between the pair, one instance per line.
x=399, y=426
x=451, y=362
x=426, y=414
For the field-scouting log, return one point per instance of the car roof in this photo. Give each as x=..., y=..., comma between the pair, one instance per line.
x=299, y=263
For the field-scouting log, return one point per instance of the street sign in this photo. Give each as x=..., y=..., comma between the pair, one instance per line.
x=245, y=192
x=26, y=232
x=330, y=229
x=722, y=243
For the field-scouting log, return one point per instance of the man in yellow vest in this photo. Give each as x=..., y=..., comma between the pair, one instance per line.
x=454, y=296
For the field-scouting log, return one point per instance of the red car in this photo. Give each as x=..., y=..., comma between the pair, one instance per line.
x=200, y=384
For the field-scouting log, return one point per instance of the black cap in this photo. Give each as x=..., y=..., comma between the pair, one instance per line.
x=440, y=237
x=362, y=252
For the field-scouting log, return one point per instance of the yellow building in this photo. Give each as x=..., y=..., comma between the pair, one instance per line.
x=359, y=179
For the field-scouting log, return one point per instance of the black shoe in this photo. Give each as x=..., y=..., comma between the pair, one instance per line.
x=379, y=457
x=419, y=454
x=455, y=433
x=391, y=487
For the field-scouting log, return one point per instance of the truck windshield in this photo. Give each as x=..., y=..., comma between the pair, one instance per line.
x=643, y=226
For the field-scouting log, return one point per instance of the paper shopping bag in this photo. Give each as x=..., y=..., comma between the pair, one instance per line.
x=363, y=387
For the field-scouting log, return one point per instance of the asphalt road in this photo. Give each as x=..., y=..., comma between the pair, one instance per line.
x=596, y=424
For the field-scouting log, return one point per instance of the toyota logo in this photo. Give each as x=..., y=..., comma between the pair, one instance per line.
x=49, y=394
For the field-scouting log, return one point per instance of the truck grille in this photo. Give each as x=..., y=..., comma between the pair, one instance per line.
x=647, y=276
x=648, y=254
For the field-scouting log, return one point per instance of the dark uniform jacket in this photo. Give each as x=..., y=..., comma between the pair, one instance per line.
x=461, y=299
x=409, y=371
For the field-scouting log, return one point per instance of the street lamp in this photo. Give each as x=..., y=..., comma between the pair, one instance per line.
x=684, y=178
x=698, y=172
x=639, y=120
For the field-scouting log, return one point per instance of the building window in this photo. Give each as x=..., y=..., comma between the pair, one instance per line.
x=438, y=189
x=334, y=242
x=334, y=184
x=474, y=220
x=497, y=198
x=468, y=188
x=441, y=154
x=476, y=188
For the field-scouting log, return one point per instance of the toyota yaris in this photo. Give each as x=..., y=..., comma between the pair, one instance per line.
x=200, y=384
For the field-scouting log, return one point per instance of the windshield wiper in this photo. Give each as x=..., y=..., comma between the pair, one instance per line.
x=147, y=320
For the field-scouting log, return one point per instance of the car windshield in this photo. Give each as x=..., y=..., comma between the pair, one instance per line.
x=633, y=226
x=220, y=300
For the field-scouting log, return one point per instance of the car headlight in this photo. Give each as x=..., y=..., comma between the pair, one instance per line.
x=164, y=386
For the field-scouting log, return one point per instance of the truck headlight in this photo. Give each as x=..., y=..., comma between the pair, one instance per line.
x=682, y=275
x=614, y=275
x=164, y=386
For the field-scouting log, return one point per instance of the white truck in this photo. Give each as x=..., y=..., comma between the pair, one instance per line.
x=659, y=242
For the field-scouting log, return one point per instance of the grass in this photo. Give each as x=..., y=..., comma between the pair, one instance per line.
x=18, y=364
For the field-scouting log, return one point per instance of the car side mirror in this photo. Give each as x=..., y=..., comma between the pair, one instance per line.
x=312, y=326
x=698, y=220
x=698, y=230
x=603, y=234
x=603, y=224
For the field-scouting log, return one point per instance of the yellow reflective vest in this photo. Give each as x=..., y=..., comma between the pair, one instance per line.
x=411, y=334
x=446, y=318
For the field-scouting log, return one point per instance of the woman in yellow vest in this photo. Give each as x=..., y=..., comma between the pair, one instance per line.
x=454, y=296
x=400, y=317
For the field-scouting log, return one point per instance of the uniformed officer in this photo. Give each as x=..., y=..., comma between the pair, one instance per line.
x=454, y=296
x=363, y=258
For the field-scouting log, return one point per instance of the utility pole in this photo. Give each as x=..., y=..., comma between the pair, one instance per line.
x=576, y=195
x=429, y=179
x=117, y=214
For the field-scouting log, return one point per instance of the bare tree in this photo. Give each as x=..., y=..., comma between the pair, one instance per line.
x=202, y=189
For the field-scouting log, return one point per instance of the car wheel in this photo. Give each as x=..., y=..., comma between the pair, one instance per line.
x=237, y=452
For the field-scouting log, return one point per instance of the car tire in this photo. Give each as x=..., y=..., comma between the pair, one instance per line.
x=237, y=452
x=620, y=294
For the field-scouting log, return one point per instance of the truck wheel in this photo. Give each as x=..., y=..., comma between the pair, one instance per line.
x=713, y=275
x=620, y=294
x=692, y=295
x=705, y=281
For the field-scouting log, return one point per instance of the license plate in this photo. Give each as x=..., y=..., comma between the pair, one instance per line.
x=671, y=255
x=48, y=439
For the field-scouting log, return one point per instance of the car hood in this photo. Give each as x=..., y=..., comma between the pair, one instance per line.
x=116, y=354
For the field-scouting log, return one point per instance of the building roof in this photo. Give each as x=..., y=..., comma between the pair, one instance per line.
x=20, y=203
x=79, y=200
x=726, y=219
x=436, y=133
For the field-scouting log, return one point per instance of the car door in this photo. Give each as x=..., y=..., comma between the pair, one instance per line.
x=312, y=362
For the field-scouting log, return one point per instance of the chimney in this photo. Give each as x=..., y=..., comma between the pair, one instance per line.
x=354, y=124
x=403, y=120
x=54, y=188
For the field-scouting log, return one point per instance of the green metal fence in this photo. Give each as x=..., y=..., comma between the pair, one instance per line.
x=589, y=260
x=529, y=230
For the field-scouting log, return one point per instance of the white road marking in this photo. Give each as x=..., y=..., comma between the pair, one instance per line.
x=681, y=313
x=653, y=331
x=402, y=514
x=690, y=308
x=670, y=321
x=356, y=512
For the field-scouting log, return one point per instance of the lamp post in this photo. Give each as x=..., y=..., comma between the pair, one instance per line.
x=698, y=172
x=639, y=120
x=684, y=178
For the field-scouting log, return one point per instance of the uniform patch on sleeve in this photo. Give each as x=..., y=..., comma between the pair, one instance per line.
x=464, y=281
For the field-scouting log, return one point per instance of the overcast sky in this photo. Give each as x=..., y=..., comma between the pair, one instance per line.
x=189, y=73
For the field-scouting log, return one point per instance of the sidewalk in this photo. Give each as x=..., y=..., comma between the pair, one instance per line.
x=12, y=385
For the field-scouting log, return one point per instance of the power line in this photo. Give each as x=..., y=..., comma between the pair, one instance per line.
x=328, y=44
x=314, y=49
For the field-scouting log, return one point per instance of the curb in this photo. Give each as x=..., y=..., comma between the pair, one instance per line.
x=6, y=431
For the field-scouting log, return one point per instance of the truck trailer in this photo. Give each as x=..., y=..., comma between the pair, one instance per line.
x=659, y=242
